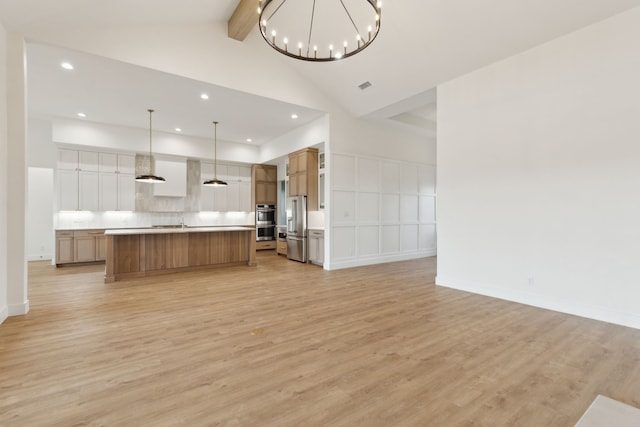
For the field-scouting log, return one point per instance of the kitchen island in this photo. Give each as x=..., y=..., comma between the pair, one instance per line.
x=150, y=251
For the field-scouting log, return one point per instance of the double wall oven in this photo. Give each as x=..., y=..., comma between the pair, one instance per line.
x=265, y=222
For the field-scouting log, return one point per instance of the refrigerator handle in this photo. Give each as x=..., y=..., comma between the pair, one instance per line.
x=294, y=213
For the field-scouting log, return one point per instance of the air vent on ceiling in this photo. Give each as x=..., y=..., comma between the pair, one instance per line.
x=364, y=85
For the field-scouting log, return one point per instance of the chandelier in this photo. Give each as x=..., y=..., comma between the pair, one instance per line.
x=319, y=30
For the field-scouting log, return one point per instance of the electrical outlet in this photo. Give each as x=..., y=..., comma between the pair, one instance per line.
x=531, y=281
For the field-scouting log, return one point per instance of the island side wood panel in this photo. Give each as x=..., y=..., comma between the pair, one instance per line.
x=177, y=250
x=136, y=255
x=199, y=248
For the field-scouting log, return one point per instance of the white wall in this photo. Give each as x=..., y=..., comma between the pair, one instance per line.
x=41, y=151
x=539, y=175
x=17, y=300
x=40, y=237
x=4, y=207
x=308, y=135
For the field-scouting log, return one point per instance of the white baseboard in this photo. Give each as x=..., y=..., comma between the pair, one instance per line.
x=378, y=259
x=39, y=257
x=18, y=309
x=603, y=314
x=4, y=313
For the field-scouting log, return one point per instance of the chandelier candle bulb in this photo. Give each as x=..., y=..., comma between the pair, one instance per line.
x=273, y=37
x=300, y=49
x=285, y=40
x=345, y=47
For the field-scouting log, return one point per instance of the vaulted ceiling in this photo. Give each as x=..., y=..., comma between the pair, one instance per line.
x=422, y=43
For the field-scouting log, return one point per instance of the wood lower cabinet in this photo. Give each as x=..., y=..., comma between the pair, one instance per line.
x=77, y=246
x=281, y=247
x=64, y=247
x=101, y=247
x=265, y=245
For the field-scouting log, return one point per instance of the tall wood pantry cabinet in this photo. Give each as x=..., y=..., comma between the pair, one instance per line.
x=303, y=176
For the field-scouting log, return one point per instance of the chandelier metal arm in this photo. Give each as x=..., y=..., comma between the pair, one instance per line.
x=278, y=8
x=313, y=12
x=350, y=18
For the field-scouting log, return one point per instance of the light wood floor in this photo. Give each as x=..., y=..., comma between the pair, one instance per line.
x=286, y=344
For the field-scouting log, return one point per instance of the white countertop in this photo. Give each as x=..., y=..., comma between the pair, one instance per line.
x=168, y=230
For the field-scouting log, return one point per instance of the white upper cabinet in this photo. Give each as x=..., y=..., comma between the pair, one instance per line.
x=233, y=173
x=67, y=190
x=234, y=197
x=244, y=174
x=68, y=159
x=126, y=192
x=92, y=181
x=108, y=162
x=88, y=161
x=108, y=191
x=88, y=187
x=117, y=182
x=127, y=164
x=117, y=163
x=78, y=181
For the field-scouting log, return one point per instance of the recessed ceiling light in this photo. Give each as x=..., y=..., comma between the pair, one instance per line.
x=67, y=66
x=178, y=130
x=204, y=96
x=294, y=116
x=82, y=115
x=249, y=139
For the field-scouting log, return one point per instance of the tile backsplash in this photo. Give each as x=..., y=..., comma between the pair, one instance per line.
x=82, y=219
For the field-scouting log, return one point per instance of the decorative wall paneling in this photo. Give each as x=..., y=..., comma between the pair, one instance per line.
x=382, y=210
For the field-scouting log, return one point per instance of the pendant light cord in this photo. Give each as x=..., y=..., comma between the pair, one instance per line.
x=215, y=150
x=150, y=142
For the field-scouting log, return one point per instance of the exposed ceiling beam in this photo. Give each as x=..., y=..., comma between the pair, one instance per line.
x=243, y=20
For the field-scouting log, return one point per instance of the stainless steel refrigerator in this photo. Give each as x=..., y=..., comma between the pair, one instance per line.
x=297, y=228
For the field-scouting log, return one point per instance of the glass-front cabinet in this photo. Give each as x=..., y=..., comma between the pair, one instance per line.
x=321, y=181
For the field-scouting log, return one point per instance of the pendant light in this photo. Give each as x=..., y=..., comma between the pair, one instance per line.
x=150, y=177
x=215, y=182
